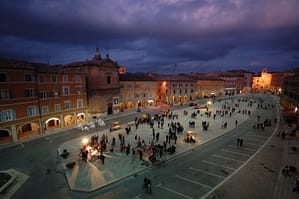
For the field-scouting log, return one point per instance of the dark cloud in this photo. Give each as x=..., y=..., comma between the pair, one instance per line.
x=154, y=35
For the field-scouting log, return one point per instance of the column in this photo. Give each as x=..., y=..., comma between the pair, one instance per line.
x=14, y=133
x=61, y=121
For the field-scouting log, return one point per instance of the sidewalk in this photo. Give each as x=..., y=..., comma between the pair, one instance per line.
x=92, y=175
x=285, y=184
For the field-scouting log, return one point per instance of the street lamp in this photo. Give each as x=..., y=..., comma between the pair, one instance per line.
x=84, y=141
x=209, y=102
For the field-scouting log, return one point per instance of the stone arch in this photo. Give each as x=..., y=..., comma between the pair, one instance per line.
x=68, y=120
x=5, y=136
x=81, y=117
x=52, y=123
x=28, y=130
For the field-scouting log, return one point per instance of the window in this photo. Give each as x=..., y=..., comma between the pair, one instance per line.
x=29, y=92
x=108, y=79
x=43, y=94
x=7, y=115
x=144, y=95
x=186, y=90
x=78, y=78
x=32, y=110
x=67, y=105
x=136, y=95
x=79, y=89
x=54, y=78
x=41, y=78
x=79, y=103
x=57, y=107
x=173, y=91
x=4, y=94
x=3, y=77
x=28, y=77
x=65, y=90
x=65, y=78
x=45, y=109
x=129, y=86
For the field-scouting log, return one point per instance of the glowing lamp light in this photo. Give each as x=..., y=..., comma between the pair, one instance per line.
x=296, y=109
x=85, y=141
x=209, y=102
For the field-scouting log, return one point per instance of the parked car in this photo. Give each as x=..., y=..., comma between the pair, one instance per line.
x=115, y=126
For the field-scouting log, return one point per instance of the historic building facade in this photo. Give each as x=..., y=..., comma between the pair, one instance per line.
x=289, y=98
x=209, y=87
x=137, y=90
x=278, y=79
x=175, y=89
x=262, y=82
x=37, y=98
x=103, y=88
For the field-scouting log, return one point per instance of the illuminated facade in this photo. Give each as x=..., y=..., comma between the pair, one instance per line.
x=262, y=82
x=36, y=98
x=175, y=89
x=137, y=90
x=209, y=87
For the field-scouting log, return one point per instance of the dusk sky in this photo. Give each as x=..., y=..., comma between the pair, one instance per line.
x=154, y=35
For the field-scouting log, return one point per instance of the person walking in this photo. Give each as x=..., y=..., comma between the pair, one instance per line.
x=241, y=142
x=157, y=137
x=140, y=154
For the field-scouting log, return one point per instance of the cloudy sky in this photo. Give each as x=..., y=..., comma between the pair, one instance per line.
x=162, y=36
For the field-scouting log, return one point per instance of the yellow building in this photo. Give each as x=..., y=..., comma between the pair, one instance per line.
x=175, y=89
x=262, y=82
x=37, y=98
x=137, y=90
x=209, y=87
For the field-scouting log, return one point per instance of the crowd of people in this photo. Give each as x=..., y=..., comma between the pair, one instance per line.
x=150, y=147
